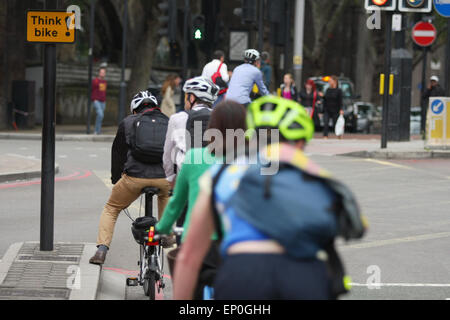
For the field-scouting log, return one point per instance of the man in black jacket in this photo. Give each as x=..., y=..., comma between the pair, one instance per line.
x=434, y=89
x=129, y=175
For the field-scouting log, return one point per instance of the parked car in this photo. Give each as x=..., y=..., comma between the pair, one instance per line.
x=368, y=118
x=347, y=87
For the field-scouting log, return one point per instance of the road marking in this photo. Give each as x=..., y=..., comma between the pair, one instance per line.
x=73, y=176
x=434, y=285
x=385, y=163
x=381, y=243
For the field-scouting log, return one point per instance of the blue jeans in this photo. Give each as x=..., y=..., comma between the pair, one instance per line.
x=100, y=110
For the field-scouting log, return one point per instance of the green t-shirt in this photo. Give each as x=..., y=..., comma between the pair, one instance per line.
x=186, y=191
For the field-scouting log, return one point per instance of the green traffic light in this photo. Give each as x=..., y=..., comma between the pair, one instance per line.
x=198, y=35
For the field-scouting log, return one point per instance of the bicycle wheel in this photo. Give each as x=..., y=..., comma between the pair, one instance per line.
x=150, y=285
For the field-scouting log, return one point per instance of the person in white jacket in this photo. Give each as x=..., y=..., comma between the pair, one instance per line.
x=201, y=93
x=217, y=65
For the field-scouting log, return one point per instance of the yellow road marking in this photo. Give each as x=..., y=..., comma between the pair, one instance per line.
x=385, y=163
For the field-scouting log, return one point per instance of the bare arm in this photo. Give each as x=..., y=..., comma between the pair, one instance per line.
x=194, y=249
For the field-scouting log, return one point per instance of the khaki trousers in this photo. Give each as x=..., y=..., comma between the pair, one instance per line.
x=123, y=194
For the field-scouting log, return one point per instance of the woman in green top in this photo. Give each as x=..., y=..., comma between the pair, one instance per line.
x=225, y=116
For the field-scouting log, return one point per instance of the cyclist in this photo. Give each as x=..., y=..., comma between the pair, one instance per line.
x=201, y=93
x=279, y=229
x=227, y=115
x=129, y=175
x=245, y=77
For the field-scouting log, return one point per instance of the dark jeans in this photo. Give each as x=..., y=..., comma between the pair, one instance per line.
x=208, y=270
x=327, y=114
x=271, y=277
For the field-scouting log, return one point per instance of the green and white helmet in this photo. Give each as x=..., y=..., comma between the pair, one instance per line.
x=286, y=115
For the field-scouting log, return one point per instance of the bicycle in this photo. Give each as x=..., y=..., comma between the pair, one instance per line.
x=151, y=254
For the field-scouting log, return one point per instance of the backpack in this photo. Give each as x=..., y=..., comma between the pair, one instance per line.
x=148, y=136
x=349, y=222
x=194, y=116
x=217, y=79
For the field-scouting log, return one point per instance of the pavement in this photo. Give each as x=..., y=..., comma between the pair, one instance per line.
x=62, y=274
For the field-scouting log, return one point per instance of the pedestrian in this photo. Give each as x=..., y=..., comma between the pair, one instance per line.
x=266, y=69
x=245, y=77
x=287, y=88
x=217, y=72
x=226, y=116
x=434, y=89
x=332, y=105
x=168, y=106
x=99, y=86
x=132, y=169
x=309, y=97
x=254, y=215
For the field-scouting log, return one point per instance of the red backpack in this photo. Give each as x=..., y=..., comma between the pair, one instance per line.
x=217, y=79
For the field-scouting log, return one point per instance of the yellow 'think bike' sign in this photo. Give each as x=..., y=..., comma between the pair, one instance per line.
x=50, y=27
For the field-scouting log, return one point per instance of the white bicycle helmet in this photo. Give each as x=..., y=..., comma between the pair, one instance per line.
x=251, y=55
x=143, y=97
x=203, y=88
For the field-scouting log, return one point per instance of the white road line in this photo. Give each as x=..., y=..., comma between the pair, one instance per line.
x=432, y=285
x=381, y=243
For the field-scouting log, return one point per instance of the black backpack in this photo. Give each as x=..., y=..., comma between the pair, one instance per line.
x=148, y=136
x=203, y=115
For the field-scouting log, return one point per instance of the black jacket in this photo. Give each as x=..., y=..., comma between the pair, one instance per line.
x=435, y=91
x=123, y=162
x=332, y=101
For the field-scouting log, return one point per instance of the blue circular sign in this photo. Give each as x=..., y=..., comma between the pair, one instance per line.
x=442, y=7
x=437, y=106
x=415, y=3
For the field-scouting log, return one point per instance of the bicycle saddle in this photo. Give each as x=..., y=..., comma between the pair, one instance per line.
x=150, y=190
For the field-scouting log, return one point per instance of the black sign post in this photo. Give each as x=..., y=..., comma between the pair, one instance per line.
x=48, y=150
x=49, y=27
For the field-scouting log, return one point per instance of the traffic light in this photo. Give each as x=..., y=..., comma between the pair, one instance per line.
x=248, y=11
x=168, y=20
x=198, y=28
x=415, y=5
x=387, y=5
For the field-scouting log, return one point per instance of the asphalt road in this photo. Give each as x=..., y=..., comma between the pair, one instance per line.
x=404, y=255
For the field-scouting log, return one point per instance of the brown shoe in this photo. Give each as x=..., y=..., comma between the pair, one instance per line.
x=98, y=258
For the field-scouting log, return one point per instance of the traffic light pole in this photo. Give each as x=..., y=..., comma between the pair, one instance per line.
x=387, y=71
x=186, y=38
x=91, y=52
x=447, y=61
x=123, y=84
